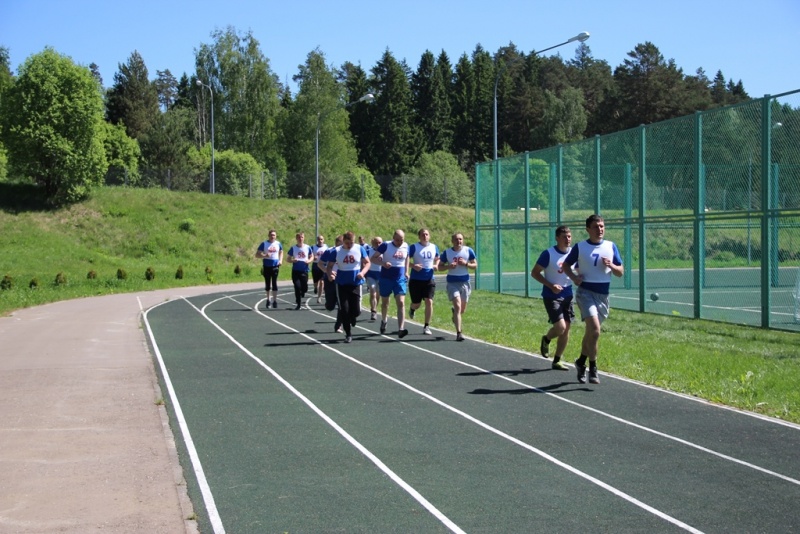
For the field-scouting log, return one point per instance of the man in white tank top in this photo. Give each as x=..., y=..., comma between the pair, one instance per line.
x=597, y=260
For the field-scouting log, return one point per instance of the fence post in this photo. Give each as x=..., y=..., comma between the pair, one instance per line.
x=699, y=216
x=527, y=242
x=497, y=233
x=477, y=224
x=642, y=211
x=597, y=173
x=767, y=243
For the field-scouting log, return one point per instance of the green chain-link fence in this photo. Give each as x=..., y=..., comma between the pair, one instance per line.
x=705, y=210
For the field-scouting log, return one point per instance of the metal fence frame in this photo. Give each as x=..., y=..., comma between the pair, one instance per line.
x=694, y=178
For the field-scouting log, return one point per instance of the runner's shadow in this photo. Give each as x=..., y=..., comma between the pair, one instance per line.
x=552, y=388
x=514, y=372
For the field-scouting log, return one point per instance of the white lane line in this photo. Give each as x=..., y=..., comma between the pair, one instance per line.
x=465, y=415
x=355, y=443
x=205, y=490
x=602, y=413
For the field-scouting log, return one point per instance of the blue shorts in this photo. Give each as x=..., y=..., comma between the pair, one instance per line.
x=389, y=286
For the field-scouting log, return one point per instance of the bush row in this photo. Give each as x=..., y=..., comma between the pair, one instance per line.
x=61, y=279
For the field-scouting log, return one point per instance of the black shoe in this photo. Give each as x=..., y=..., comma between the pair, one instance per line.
x=402, y=333
x=544, y=347
x=459, y=337
x=275, y=303
x=412, y=312
x=581, y=373
x=297, y=307
x=348, y=339
x=593, y=379
x=383, y=327
x=266, y=306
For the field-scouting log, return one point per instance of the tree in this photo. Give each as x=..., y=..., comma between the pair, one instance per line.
x=167, y=147
x=473, y=108
x=360, y=186
x=593, y=77
x=650, y=88
x=246, y=96
x=133, y=100
x=53, y=126
x=122, y=154
x=394, y=140
x=319, y=103
x=167, y=89
x=234, y=172
x=6, y=81
x=356, y=86
x=435, y=179
x=431, y=107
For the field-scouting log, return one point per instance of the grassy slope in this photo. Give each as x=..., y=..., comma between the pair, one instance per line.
x=135, y=229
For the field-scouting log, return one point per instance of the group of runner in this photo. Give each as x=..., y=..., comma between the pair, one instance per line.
x=388, y=269
x=394, y=268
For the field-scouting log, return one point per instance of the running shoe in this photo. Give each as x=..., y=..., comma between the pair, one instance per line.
x=348, y=339
x=402, y=333
x=427, y=331
x=593, y=379
x=459, y=337
x=544, y=347
x=372, y=316
x=297, y=307
x=383, y=327
x=412, y=312
x=275, y=303
x=559, y=365
x=581, y=369
x=338, y=329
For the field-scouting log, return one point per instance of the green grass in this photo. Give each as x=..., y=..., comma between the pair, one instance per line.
x=749, y=368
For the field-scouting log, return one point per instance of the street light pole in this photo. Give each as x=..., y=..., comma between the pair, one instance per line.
x=201, y=85
x=369, y=97
x=583, y=36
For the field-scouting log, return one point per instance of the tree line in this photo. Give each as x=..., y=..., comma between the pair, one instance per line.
x=430, y=124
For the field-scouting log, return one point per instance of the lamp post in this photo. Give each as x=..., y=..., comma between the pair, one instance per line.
x=583, y=36
x=201, y=85
x=369, y=97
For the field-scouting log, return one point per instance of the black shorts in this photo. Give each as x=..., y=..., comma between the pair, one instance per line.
x=317, y=274
x=421, y=289
x=560, y=308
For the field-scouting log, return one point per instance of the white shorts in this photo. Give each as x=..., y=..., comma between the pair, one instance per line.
x=459, y=289
x=591, y=304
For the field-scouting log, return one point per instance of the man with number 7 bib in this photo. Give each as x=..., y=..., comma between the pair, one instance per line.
x=597, y=260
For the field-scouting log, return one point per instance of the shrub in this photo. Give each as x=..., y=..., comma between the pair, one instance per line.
x=7, y=282
x=237, y=271
x=121, y=274
x=34, y=283
x=187, y=225
x=61, y=279
x=179, y=273
x=150, y=273
x=91, y=275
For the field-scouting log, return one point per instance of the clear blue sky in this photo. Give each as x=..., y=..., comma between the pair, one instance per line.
x=756, y=42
